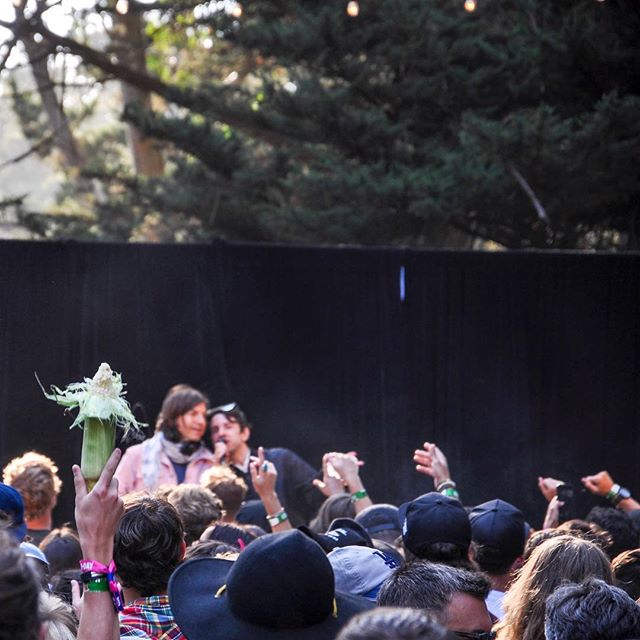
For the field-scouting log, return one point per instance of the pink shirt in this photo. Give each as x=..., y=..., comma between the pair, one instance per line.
x=130, y=476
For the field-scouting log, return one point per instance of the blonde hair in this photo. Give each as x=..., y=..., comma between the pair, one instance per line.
x=35, y=477
x=555, y=561
x=58, y=616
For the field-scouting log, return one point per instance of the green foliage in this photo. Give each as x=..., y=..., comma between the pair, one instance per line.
x=516, y=123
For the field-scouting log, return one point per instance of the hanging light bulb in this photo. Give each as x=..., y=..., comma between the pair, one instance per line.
x=469, y=5
x=236, y=10
x=353, y=8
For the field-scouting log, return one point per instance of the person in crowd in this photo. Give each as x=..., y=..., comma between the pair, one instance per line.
x=619, y=525
x=231, y=430
x=559, y=559
x=19, y=592
x=145, y=541
x=197, y=507
x=211, y=549
x=12, y=512
x=177, y=452
x=626, y=572
x=361, y=570
x=394, y=623
x=590, y=611
x=62, y=548
x=497, y=531
x=588, y=531
x=37, y=561
x=236, y=535
x=35, y=476
x=602, y=484
x=230, y=488
x=281, y=586
x=381, y=521
x=454, y=597
x=58, y=617
x=338, y=505
x=436, y=527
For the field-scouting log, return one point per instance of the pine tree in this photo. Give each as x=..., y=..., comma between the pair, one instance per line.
x=414, y=122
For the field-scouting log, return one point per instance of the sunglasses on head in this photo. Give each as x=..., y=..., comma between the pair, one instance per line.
x=475, y=635
x=223, y=408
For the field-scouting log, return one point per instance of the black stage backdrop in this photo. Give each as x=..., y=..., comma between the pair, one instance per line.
x=516, y=364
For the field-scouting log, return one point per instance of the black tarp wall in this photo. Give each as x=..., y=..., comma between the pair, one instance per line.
x=516, y=364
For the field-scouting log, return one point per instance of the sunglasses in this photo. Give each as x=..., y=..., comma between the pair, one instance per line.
x=475, y=635
x=223, y=408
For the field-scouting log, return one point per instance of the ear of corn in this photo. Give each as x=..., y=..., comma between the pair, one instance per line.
x=101, y=408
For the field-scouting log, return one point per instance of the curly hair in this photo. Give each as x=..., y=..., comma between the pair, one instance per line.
x=197, y=508
x=148, y=544
x=230, y=488
x=35, y=477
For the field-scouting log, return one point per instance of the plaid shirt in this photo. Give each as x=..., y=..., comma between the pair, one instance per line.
x=149, y=618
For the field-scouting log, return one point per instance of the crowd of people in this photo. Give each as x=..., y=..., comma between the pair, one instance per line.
x=195, y=534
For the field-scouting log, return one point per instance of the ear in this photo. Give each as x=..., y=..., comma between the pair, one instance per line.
x=245, y=433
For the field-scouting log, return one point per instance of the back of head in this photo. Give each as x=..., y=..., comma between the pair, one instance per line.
x=336, y=506
x=497, y=530
x=590, y=611
x=382, y=521
x=227, y=486
x=560, y=559
x=232, y=534
x=148, y=545
x=588, y=531
x=430, y=587
x=619, y=525
x=35, y=476
x=18, y=593
x=58, y=616
x=62, y=548
x=197, y=507
x=626, y=572
x=391, y=623
x=435, y=527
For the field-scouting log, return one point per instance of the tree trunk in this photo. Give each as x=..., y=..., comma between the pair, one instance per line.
x=128, y=38
x=62, y=135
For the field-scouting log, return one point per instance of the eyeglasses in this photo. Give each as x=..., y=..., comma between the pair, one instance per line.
x=475, y=635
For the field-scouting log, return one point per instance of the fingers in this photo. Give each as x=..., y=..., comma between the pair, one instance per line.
x=79, y=482
x=104, y=481
x=260, y=456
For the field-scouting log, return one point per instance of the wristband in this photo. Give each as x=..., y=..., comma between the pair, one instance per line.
x=277, y=518
x=451, y=493
x=359, y=495
x=445, y=484
x=97, y=584
x=612, y=494
x=98, y=570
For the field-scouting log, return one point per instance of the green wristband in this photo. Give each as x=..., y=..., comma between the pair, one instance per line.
x=98, y=584
x=359, y=495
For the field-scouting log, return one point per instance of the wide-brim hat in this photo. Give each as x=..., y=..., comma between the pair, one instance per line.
x=281, y=586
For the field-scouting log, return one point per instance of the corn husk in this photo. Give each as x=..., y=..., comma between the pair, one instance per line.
x=101, y=408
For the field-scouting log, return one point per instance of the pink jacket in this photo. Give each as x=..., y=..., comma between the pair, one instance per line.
x=130, y=475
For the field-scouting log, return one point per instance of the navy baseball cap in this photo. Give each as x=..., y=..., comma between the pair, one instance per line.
x=12, y=505
x=434, y=517
x=500, y=525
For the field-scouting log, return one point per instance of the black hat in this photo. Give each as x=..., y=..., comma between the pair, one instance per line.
x=380, y=517
x=342, y=532
x=431, y=518
x=281, y=586
x=500, y=525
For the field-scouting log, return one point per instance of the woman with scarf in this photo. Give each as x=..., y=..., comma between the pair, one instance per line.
x=176, y=453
